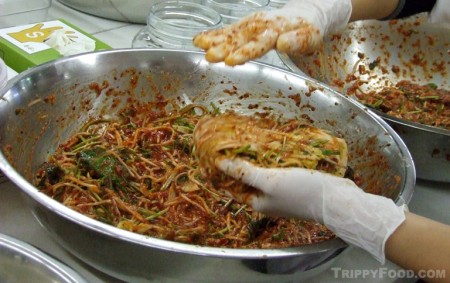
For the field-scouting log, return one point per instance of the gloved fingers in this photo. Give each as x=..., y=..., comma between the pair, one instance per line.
x=257, y=202
x=303, y=40
x=223, y=45
x=247, y=197
x=247, y=39
x=253, y=49
x=260, y=202
x=219, y=53
x=210, y=38
x=273, y=206
x=243, y=170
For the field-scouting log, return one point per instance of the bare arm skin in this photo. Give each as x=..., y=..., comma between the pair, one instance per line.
x=419, y=244
x=369, y=9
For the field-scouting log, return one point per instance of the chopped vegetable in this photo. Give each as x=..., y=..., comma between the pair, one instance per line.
x=105, y=166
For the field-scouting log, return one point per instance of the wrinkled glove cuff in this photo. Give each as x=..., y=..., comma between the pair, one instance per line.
x=329, y=16
x=362, y=219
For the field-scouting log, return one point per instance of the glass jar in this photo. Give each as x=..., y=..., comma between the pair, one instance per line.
x=277, y=3
x=233, y=10
x=21, y=12
x=173, y=24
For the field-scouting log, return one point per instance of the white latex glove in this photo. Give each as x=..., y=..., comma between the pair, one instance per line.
x=297, y=27
x=441, y=13
x=362, y=219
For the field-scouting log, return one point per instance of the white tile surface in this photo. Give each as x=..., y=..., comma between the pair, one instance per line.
x=120, y=37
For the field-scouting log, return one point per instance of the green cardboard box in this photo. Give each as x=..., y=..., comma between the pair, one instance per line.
x=24, y=46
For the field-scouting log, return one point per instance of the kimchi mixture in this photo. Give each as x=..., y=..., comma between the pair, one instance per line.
x=269, y=144
x=424, y=104
x=138, y=172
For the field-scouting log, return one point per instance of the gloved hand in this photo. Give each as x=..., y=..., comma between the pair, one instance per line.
x=297, y=27
x=362, y=219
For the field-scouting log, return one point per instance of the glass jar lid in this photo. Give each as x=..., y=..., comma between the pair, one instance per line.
x=173, y=24
x=233, y=10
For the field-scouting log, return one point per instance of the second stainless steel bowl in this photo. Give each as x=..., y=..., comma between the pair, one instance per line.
x=403, y=50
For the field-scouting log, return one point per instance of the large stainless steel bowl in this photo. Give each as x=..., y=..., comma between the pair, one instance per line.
x=22, y=262
x=408, y=50
x=43, y=106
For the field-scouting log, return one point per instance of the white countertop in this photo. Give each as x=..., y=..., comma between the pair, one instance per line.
x=430, y=199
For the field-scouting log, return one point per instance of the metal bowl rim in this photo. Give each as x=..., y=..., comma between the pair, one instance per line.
x=61, y=270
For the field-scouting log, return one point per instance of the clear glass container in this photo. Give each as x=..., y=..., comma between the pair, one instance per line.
x=173, y=24
x=21, y=12
x=233, y=10
x=277, y=3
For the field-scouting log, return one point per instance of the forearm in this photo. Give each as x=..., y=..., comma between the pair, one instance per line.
x=390, y=9
x=369, y=9
x=421, y=244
